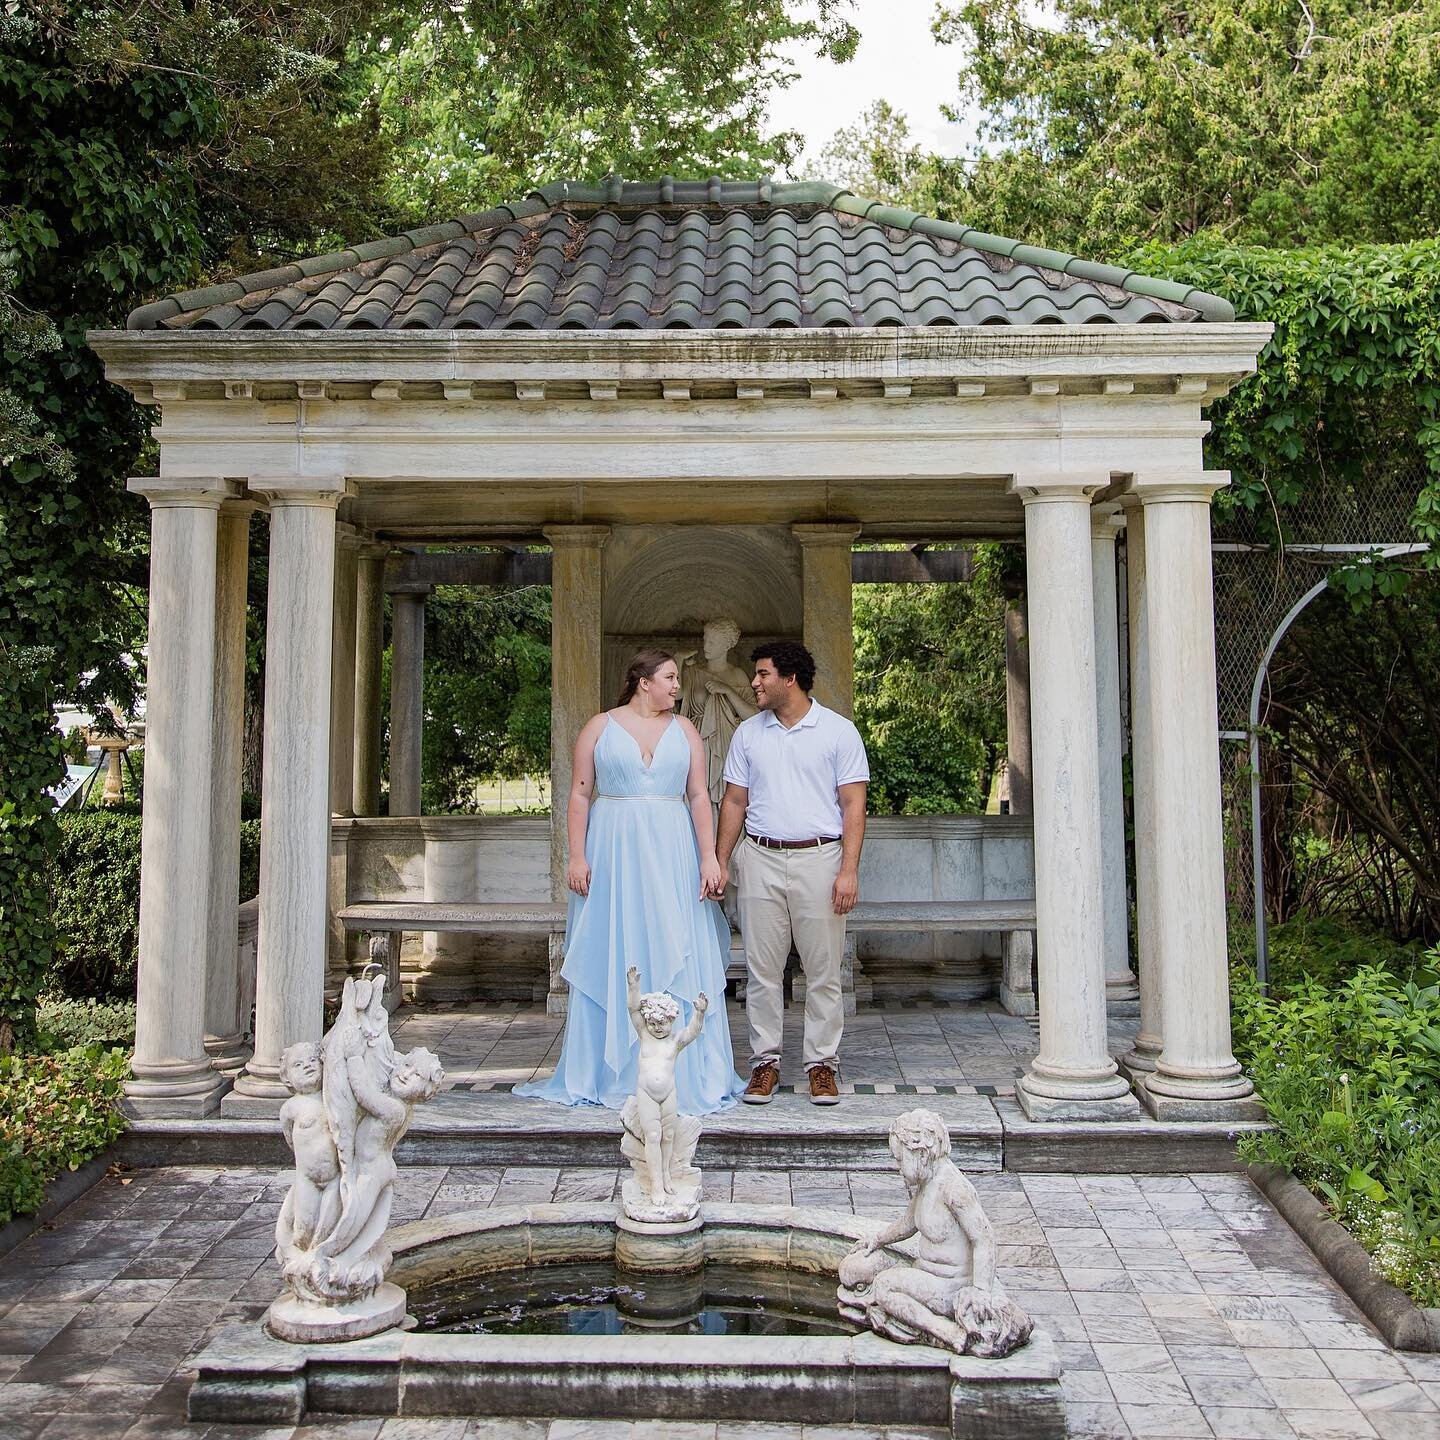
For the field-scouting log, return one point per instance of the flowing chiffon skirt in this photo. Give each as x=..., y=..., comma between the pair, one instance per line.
x=643, y=909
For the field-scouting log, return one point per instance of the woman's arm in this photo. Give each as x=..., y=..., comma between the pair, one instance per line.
x=577, y=814
x=697, y=792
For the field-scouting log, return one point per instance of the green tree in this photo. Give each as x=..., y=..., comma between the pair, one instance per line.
x=930, y=692
x=1108, y=122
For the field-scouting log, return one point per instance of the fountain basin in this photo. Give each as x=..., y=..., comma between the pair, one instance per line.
x=247, y=1375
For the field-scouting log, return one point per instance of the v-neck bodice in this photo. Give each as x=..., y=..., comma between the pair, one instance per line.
x=620, y=767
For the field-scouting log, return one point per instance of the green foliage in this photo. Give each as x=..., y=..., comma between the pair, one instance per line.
x=1328, y=952
x=96, y=887
x=56, y=1111
x=63, y=1023
x=1350, y=1075
x=1108, y=121
x=487, y=690
x=930, y=693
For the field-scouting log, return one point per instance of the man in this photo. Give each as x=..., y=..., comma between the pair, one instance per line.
x=795, y=781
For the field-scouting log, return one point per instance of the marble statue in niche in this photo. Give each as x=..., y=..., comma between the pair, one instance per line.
x=658, y=1141
x=944, y=1292
x=715, y=695
x=352, y=1097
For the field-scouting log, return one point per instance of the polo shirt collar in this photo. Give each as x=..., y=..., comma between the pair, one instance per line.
x=811, y=717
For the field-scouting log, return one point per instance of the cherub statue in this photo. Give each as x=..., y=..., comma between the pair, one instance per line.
x=716, y=696
x=351, y=1101
x=659, y=1141
x=352, y=1258
x=947, y=1294
x=311, y=1207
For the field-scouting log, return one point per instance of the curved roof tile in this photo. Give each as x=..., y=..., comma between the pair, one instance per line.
x=688, y=254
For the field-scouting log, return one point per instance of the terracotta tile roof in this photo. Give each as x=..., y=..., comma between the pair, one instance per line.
x=684, y=255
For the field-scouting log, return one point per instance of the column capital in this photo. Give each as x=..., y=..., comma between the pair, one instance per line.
x=1040, y=487
x=1107, y=520
x=576, y=537
x=372, y=549
x=317, y=490
x=347, y=536
x=184, y=492
x=840, y=532
x=410, y=590
x=1156, y=487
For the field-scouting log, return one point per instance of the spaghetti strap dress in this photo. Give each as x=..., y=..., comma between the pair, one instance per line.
x=643, y=909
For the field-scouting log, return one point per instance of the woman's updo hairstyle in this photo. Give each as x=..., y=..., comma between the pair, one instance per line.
x=643, y=664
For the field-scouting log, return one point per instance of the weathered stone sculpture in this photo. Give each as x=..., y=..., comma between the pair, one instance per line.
x=716, y=696
x=947, y=1294
x=658, y=1141
x=351, y=1101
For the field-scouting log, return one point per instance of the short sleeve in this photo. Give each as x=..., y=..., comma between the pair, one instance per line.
x=737, y=759
x=851, y=764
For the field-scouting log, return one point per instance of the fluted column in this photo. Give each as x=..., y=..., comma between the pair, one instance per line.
x=369, y=664
x=295, y=803
x=825, y=575
x=575, y=645
x=1196, y=1076
x=1107, y=522
x=225, y=1025
x=1073, y=1076
x=171, y=1073
x=1142, y=1055
x=407, y=696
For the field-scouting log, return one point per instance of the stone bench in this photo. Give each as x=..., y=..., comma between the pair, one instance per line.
x=1014, y=920
x=386, y=921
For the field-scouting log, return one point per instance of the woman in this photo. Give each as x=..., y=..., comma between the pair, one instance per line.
x=643, y=877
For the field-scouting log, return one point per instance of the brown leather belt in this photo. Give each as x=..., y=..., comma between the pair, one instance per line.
x=767, y=843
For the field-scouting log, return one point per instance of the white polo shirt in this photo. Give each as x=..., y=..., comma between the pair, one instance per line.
x=792, y=775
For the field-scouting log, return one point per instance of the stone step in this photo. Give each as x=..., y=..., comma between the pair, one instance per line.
x=494, y=1129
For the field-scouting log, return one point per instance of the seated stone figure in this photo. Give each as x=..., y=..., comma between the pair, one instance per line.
x=947, y=1294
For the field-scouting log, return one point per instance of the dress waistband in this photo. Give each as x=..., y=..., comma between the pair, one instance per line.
x=606, y=795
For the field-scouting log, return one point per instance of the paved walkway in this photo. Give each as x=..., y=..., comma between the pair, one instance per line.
x=893, y=1049
x=1183, y=1306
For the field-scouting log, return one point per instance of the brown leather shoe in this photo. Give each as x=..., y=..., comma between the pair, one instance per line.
x=823, y=1089
x=763, y=1080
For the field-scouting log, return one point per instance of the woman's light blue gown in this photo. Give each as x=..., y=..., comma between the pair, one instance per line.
x=643, y=909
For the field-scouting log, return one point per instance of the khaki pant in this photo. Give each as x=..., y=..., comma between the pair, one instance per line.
x=786, y=894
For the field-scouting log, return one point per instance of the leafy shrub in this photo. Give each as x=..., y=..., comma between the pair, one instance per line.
x=1350, y=1074
x=56, y=1111
x=97, y=899
x=64, y=1022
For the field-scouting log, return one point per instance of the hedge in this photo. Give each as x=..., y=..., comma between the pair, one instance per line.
x=96, y=889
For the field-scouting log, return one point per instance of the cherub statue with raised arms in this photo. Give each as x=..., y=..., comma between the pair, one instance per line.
x=945, y=1292
x=659, y=1141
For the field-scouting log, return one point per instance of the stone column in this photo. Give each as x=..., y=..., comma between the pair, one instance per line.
x=1141, y=1056
x=407, y=696
x=575, y=645
x=1121, y=995
x=343, y=671
x=1073, y=1076
x=829, y=610
x=171, y=1074
x=296, y=787
x=369, y=660
x=226, y=1024
x=1197, y=1076
x=1017, y=706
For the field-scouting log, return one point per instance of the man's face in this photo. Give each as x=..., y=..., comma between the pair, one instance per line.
x=770, y=686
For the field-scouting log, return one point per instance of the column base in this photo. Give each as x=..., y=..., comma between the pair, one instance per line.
x=1122, y=995
x=1141, y=1058
x=182, y=1093
x=228, y=1054
x=256, y=1093
x=1105, y=1100
x=1167, y=1098
x=238, y=1105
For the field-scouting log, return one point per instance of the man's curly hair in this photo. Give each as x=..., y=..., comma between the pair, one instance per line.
x=789, y=657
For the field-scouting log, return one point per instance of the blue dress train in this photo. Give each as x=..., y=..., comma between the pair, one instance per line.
x=643, y=909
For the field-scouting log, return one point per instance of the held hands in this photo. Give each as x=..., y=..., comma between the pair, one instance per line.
x=577, y=877
x=712, y=879
x=846, y=891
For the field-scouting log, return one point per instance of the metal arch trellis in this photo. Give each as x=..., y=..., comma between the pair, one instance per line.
x=1262, y=584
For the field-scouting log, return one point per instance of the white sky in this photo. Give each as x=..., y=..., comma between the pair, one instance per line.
x=898, y=60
